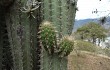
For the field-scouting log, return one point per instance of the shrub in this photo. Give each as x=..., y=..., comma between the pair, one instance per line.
x=85, y=46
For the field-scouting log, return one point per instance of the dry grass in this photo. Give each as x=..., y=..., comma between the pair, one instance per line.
x=88, y=61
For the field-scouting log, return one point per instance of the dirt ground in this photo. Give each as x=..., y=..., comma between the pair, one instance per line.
x=88, y=61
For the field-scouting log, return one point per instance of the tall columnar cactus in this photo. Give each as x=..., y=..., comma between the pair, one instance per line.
x=5, y=51
x=54, y=52
x=61, y=13
x=21, y=24
x=21, y=28
x=22, y=18
x=12, y=22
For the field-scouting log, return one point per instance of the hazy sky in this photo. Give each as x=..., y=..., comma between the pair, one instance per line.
x=87, y=6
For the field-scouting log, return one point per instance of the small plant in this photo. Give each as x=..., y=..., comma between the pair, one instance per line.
x=48, y=36
x=66, y=46
x=54, y=49
x=85, y=46
x=49, y=40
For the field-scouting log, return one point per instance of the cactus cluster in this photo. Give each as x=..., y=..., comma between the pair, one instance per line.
x=54, y=49
x=50, y=43
x=48, y=36
x=66, y=46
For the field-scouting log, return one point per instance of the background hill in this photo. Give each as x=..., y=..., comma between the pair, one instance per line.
x=79, y=23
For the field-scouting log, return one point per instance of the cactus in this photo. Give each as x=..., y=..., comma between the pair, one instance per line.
x=21, y=26
x=66, y=46
x=52, y=55
x=5, y=51
x=22, y=35
x=15, y=44
x=19, y=32
x=61, y=13
x=48, y=36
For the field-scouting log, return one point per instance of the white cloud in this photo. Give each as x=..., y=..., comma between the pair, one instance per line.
x=87, y=6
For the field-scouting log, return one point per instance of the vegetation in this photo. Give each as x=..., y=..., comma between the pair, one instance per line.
x=92, y=32
x=85, y=46
x=54, y=50
x=107, y=51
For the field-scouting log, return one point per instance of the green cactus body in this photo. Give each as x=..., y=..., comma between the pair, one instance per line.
x=12, y=23
x=66, y=46
x=49, y=59
x=52, y=62
x=19, y=32
x=22, y=34
x=53, y=55
x=71, y=17
x=61, y=13
x=48, y=36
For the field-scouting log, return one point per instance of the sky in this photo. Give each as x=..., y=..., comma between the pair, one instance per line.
x=86, y=7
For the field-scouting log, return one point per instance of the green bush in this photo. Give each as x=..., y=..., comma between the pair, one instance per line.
x=107, y=51
x=85, y=46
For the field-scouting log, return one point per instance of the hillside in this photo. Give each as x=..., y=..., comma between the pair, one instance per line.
x=88, y=61
x=87, y=56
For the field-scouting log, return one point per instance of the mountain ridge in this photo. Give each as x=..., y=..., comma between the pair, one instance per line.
x=81, y=22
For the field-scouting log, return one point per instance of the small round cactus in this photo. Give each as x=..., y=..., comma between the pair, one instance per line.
x=66, y=46
x=48, y=36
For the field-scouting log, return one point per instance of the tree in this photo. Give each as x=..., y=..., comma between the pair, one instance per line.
x=83, y=32
x=92, y=31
